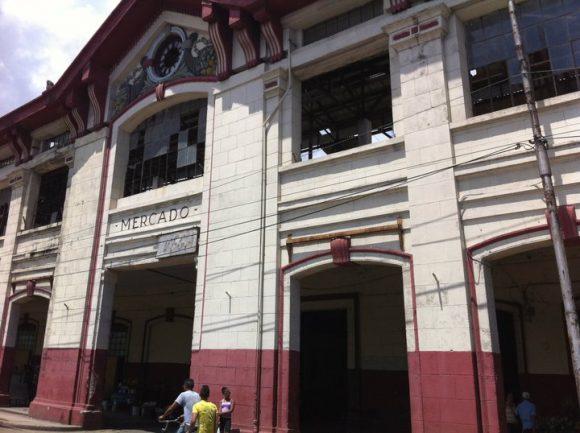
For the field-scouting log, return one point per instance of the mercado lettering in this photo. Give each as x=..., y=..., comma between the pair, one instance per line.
x=154, y=218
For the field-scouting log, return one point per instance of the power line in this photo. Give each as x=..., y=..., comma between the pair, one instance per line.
x=345, y=199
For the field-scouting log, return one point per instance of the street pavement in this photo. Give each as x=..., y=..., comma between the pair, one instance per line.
x=17, y=420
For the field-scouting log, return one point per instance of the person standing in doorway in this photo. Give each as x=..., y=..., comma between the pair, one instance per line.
x=204, y=414
x=186, y=400
x=225, y=411
x=526, y=410
x=510, y=414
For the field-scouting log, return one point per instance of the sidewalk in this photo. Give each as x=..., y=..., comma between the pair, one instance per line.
x=14, y=419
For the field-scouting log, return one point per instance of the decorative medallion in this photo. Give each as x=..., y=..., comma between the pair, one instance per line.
x=174, y=54
x=165, y=55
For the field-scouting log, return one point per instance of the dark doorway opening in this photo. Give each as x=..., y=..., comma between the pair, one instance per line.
x=32, y=315
x=509, y=353
x=323, y=366
x=354, y=373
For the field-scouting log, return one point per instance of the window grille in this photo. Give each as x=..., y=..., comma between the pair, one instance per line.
x=551, y=35
x=342, y=22
x=51, y=195
x=167, y=148
x=26, y=337
x=119, y=341
x=347, y=108
x=56, y=142
x=7, y=162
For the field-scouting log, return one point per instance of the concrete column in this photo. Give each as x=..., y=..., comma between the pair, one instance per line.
x=421, y=112
x=10, y=316
x=66, y=388
x=224, y=350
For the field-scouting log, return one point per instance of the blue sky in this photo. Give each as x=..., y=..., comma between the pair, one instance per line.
x=39, y=39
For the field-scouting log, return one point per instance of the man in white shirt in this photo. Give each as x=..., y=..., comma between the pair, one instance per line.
x=185, y=400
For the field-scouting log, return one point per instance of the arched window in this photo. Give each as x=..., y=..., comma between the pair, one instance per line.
x=167, y=148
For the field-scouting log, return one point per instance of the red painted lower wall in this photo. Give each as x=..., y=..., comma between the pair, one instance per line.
x=441, y=388
x=443, y=392
x=55, y=396
x=236, y=369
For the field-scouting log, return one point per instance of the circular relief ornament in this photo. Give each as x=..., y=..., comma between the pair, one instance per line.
x=166, y=54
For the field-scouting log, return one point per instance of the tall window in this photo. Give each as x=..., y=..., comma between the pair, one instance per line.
x=5, y=196
x=346, y=108
x=167, y=148
x=119, y=341
x=551, y=35
x=51, y=195
x=26, y=336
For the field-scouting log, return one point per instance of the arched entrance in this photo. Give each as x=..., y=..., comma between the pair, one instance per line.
x=520, y=326
x=28, y=323
x=351, y=328
x=149, y=350
x=531, y=330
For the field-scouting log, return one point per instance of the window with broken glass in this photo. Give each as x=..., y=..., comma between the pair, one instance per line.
x=5, y=196
x=56, y=142
x=167, y=148
x=347, y=108
x=551, y=36
x=51, y=195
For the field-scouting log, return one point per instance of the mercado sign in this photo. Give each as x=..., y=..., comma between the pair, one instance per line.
x=154, y=217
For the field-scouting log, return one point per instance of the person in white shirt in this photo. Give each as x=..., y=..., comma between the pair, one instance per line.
x=185, y=400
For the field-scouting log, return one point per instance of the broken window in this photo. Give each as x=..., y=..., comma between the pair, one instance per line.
x=55, y=142
x=51, y=195
x=167, y=148
x=550, y=32
x=5, y=196
x=346, y=108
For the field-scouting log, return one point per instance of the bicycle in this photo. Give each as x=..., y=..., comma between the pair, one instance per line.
x=166, y=423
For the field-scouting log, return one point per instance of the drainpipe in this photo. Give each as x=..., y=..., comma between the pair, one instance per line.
x=262, y=247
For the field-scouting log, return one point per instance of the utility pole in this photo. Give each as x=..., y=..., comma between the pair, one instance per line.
x=545, y=170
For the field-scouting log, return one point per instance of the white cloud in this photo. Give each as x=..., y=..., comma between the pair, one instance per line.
x=38, y=41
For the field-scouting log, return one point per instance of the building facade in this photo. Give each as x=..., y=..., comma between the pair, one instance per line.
x=332, y=208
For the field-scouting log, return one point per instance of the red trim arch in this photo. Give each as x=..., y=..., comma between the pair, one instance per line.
x=488, y=364
x=285, y=391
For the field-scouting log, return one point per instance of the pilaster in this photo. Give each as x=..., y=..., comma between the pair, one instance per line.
x=9, y=316
x=422, y=116
x=71, y=359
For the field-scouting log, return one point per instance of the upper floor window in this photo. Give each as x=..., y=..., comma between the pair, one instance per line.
x=342, y=22
x=551, y=35
x=5, y=196
x=167, y=148
x=51, y=195
x=346, y=108
x=55, y=142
